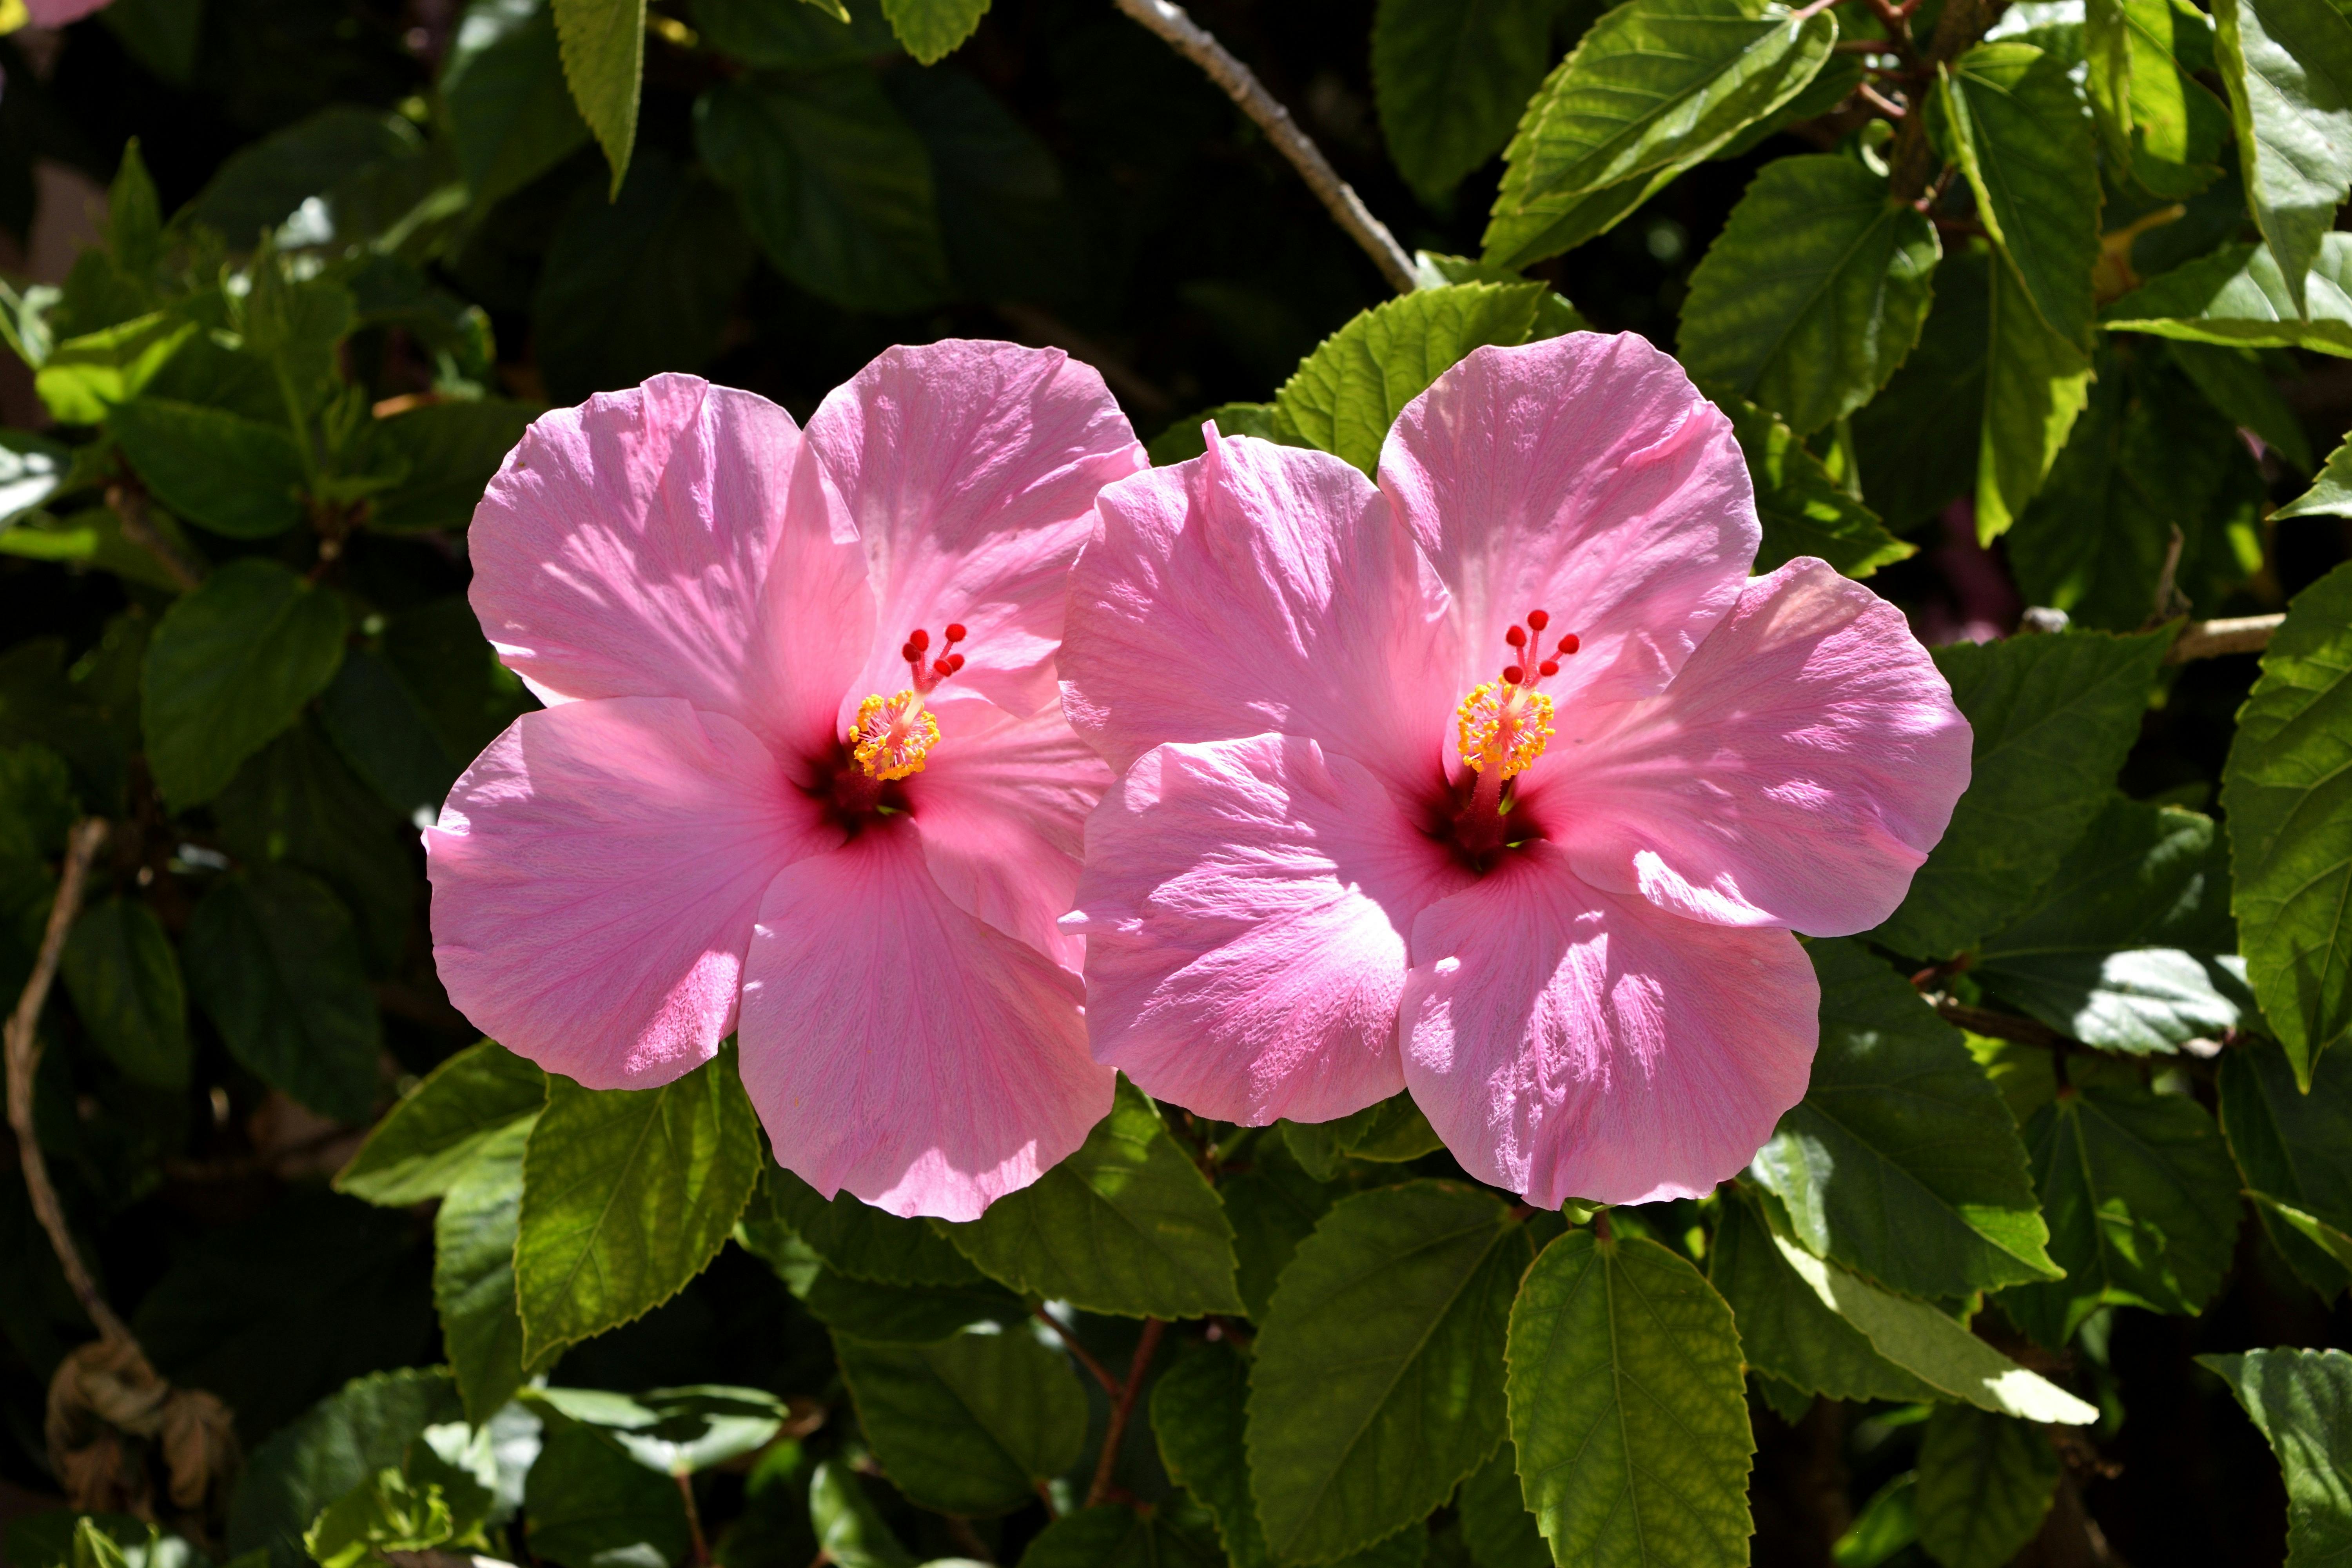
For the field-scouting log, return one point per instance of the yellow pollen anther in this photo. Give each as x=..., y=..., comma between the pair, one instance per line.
x=892, y=735
x=1504, y=723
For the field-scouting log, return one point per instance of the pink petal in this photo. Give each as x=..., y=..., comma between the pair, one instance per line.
x=1570, y=1043
x=626, y=548
x=1795, y=773
x=1259, y=588
x=1584, y=476
x=899, y=1047
x=1245, y=905
x=969, y=471
x=1001, y=807
x=594, y=876
x=59, y=13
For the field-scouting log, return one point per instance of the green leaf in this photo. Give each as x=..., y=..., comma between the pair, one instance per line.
x=336, y=1445
x=229, y=473
x=274, y=960
x=381, y=726
x=1919, y=440
x=85, y=378
x=2142, y=1203
x=161, y=35
x=230, y=666
x=2330, y=495
x=1628, y=1408
x=2147, y=457
x=473, y=1272
x=1654, y=86
x=1785, y=1329
x=2177, y=125
x=2301, y=1401
x=1450, y=78
x=2130, y=947
x=1887, y=1523
x=970, y=1425
x=1200, y=1417
x=2053, y=716
x=602, y=44
x=1109, y=1535
x=1803, y=509
x=2036, y=381
x=1378, y=1378
x=32, y=469
x=2319, y=1235
x=1813, y=293
x=453, y=450
x=674, y=1431
x=1985, y=1482
x=906, y=1315
x=1005, y=214
x=932, y=28
x=260, y=186
x=511, y=115
x=2021, y=132
x=1387, y=1133
x=37, y=803
x=2238, y=295
x=593, y=1506
x=1900, y=1162
x=2287, y=791
x=1273, y=1206
x=835, y=184
x=2293, y=1149
x=2287, y=66
x=1346, y=395
x=124, y=978
x=424, y=1144
x=1497, y=1528
x=643, y=284
x=2108, y=79
x=295, y=803
x=627, y=1195
x=1933, y=1347
x=1126, y=1224
x=2236, y=383
x=865, y=1242
x=810, y=37
x=847, y=1525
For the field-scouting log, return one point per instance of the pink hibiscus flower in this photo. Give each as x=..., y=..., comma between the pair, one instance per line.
x=802, y=776
x=1501, y=781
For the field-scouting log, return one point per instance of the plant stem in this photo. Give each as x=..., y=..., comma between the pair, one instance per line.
x=694, y=1523
x=1123, y=1406
x=1196, y=44
x=129, y=504
x=24, y=1059
x=1086, y=1358
x=2206, y=639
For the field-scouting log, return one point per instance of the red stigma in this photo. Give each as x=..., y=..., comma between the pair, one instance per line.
x=1547, y=668
x=926, y=673
x=1513, y=674
x=1537, y=620
x=1517, y=636
x=1568, y=643
x=1528, y=666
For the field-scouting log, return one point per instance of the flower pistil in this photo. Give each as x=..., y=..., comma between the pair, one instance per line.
x=892, y=735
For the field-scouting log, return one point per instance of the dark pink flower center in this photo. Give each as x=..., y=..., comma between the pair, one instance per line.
x=1503, y=727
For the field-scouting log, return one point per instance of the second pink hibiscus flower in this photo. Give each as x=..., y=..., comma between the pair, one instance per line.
x=1501, y=781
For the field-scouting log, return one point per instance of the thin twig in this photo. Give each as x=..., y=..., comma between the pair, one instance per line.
x=1123, y=1406
x=2208, y=639
x=24, y=1059
x=1196, y=44
x=1086, y=1357
x=129, y=504
x=693, y=1523
x=1879, y=101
